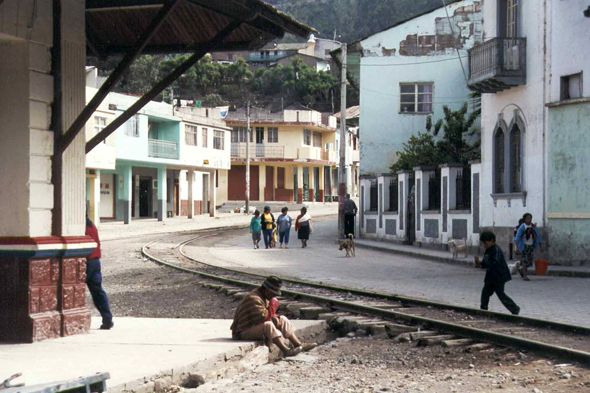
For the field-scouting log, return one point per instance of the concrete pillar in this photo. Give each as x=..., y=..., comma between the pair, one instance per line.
x=322, y=191
x=127, y=194
x=262, y=181
x=136, y=197
x=300, y=184
x=162, y=193
x=191, y=199
x=212, y=194
x=312, y=189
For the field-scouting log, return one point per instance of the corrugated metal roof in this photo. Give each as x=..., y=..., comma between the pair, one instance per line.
x=352, y=112
x=114, y=26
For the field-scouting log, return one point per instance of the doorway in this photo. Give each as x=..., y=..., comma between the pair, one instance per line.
x=306, y=196
x=295, y=185
x=269, y=190
x=145, y=196
x=107, y=196
x=316, y=183
x=206, y=193
x=176, y=201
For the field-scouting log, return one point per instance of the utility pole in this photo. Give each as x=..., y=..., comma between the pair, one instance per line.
x=342, y=167
x=247, y=158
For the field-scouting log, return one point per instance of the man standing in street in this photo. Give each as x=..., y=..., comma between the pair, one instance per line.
x=94, y=279
x=350, y=210
x=256, y=318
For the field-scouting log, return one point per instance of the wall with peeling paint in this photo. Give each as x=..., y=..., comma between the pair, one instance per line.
x=419, y=50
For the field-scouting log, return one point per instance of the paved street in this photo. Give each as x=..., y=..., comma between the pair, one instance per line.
x=559, y=299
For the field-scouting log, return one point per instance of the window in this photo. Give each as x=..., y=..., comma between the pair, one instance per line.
x=131, y=128
x=515, y=159
x=190, y=135
x=416, y=97
x=393, y=194
x=511, y=18
x=205, y=137
x=317, y=139
x=373, y=196
x=571, y=87
x=219, y=140
x=239, y=134
x=230, y=56
x=499, y=181
x=99, y=124
x=259, y=134
x=307, y=137
x=273, y=134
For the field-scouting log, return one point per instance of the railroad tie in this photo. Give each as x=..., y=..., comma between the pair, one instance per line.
x=432, y=340
x=478, y=347
x=461, y=342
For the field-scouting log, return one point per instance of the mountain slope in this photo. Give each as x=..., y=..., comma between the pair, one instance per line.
x=353, y=19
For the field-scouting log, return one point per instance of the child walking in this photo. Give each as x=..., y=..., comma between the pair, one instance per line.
x=497, y=273
x=255, y=229
x=284, y=221
x=528, y=239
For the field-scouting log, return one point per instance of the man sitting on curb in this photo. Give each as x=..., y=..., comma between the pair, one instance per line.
x=256, y=319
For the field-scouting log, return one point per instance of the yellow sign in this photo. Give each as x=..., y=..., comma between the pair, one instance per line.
x=205, y=162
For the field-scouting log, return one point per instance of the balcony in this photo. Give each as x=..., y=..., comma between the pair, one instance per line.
x=163, y=149
x=316, y=153
x=238, y=151
x=497, y=64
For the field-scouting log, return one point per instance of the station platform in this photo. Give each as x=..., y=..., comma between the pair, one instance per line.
x=137, y=351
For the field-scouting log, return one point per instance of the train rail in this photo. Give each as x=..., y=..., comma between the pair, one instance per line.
x=443, y=320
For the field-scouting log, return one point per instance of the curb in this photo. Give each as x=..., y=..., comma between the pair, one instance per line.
x=466, y=263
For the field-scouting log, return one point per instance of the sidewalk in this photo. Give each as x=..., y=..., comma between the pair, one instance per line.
x=111, y=230
x=139, y=350
x=446, y=257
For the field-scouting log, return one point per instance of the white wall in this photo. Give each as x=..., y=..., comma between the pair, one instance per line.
x=383, y=68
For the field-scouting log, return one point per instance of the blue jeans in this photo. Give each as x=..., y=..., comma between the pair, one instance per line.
x=284, y=236
x=267, y=233
x=99, y=296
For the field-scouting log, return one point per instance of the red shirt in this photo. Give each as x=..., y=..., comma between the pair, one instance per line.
x=93, y=233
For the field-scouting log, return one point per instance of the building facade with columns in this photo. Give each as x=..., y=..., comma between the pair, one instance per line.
x=165, y=161
x=293, y=156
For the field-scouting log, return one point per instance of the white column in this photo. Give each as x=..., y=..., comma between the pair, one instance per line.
x=212, y=194
x=162, y=193
x=127, y=193
x=95, y=198
x=191, y=199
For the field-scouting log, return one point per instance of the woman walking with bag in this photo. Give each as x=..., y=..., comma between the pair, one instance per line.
x=528, y=238
x=303, y=227
x=268, y=223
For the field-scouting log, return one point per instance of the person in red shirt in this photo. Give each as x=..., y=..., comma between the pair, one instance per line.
x=94, y=279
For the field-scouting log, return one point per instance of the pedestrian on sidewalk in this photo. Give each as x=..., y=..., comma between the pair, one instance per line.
x=303, y=227
x=284, y=222
x=255, y=229
x=94, y=279
x=528, y=239
x=497, y=273
x=350, y=211
x=268, y=224
x=256, y=319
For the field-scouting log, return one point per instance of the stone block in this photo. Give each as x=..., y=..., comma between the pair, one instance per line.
x=40, y=271
x=459, y=229
x=44, y=326
x=371, y=226
x=41, y=196
x=40, y=169
x=431, y=228
x=40, y=87
x=39, y=57
x=76, y=321
x=40, y=116
x=40, y=222
x=390, y=227
x=69, y=270
x=47, y=298
x=41, y=143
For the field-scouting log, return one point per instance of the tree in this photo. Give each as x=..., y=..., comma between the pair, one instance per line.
x=459, y=143
x=213, y=100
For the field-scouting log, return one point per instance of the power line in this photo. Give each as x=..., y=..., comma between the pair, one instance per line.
x=453, y=32
x=404, y=64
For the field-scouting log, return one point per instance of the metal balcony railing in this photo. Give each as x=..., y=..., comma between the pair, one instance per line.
x=238, y=150
x=163, y=149
x=497, y=64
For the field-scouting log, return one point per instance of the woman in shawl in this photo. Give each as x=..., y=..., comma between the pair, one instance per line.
x=303, y=227
x=528, y=239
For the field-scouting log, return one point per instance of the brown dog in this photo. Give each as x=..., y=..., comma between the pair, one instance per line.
x=348, y=245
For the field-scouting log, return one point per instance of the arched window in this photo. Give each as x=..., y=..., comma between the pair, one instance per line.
x=499, y=178
x=515, y=159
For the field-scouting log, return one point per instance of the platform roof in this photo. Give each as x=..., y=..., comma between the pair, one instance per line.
x=113, y=26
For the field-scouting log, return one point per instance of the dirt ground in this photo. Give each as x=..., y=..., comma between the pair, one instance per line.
x=365, y=365
x=139, y=288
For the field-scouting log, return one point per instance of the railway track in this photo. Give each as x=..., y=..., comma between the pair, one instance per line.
x=397, y=316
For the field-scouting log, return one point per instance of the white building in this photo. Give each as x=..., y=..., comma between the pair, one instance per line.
x=158, y=164
x=409, y=71
x=535, y=121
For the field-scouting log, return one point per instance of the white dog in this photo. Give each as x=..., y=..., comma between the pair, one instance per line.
x=457, y=246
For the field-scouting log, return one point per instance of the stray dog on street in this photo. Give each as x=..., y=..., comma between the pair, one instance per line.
x=457, y=246
x=348, y=245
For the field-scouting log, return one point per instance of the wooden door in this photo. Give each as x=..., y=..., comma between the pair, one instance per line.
x=269, y=190
x=236, y=190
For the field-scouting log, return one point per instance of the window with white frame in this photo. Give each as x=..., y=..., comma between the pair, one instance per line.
x=317, y=139
x=99, y=124
x=307, y=137
x=205, y=134
x=131, y=127
x=190, y=135
x=239, y=134
x=416, y=98
x=571, y=87
x=219, y=140
x=273, y=134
